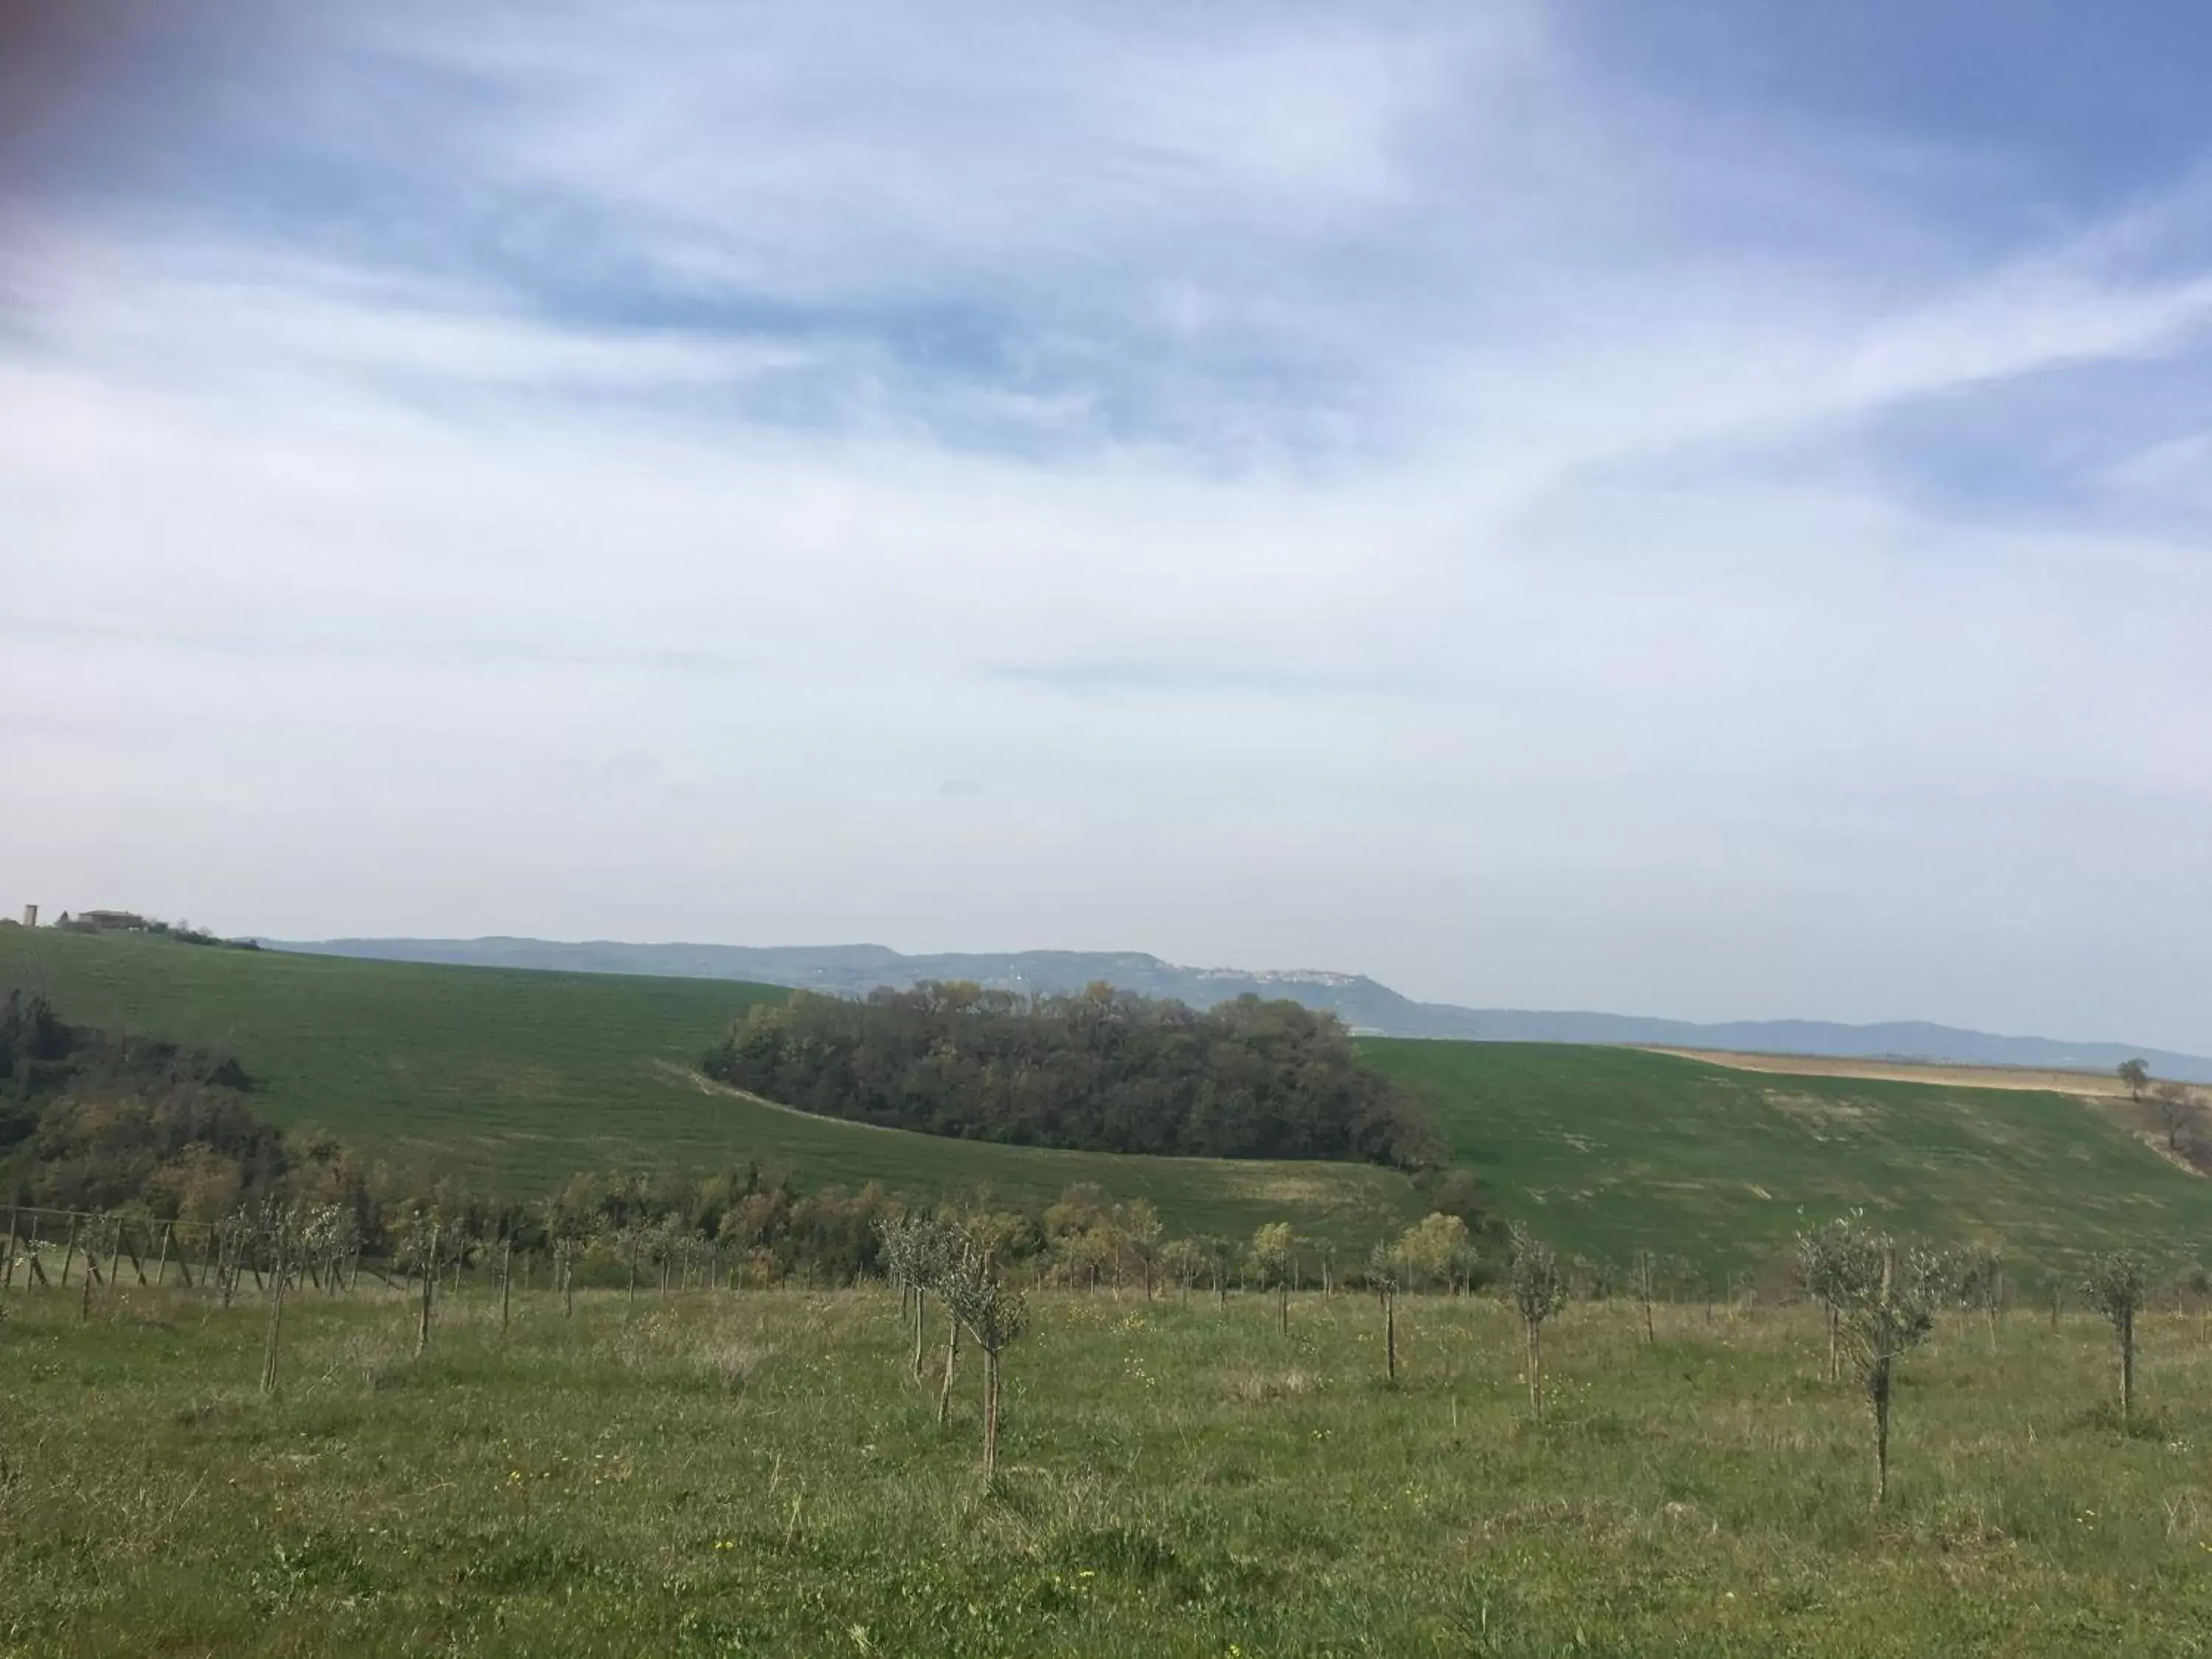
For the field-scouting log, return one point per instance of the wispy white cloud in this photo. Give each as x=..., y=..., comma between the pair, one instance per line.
x=1351, y=499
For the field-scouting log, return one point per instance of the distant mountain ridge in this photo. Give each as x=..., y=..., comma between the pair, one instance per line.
x=1361, y=1002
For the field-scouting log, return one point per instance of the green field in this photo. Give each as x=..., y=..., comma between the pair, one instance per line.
x=1608, y=1152
x=518, y=1079
x=753, y=1474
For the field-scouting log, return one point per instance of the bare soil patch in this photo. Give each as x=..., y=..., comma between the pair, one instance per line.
x=2091, y=1084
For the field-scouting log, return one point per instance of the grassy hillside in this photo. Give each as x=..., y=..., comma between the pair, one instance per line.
x=1607, y=1151
x=519, y=1079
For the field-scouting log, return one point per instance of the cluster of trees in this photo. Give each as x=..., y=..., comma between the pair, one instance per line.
x=1106, y=1071
x=91, y=1120
x=1880, y=1296
x=927, y=1255
x=129, y=921
x=2177, y=1112
x=35, y=1046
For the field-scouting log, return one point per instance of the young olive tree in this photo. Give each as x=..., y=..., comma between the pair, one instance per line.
x=2116, y=1286
x=1271, y=1256
x=232, y=1239
x=279, y=1232
x=565, y=1226
x=1139, y=1231
x=1539, y=1290
x=896, y=1247
x=1643, y=1278
x=1982, y=1286
x=1382, y=1274
x=1834, y=1260
x=427, y=1246
x=1887, y=1295
x=996, y=1315
x=1184, y=1261
x=924, y=1249
x=1219, y=1252
x=663, y=1245
x=627, y=1242
x=1433, y=1251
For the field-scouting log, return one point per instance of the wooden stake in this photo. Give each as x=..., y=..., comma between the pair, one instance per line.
x=429, y=1286
x=951, y=1358
x=270, y=1343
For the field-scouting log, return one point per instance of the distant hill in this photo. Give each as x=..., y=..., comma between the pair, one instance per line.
x=1361, y=1002
x=515, y=1079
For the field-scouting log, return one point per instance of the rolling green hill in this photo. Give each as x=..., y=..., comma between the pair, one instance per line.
x=518, y=1078
x=1609, y=1151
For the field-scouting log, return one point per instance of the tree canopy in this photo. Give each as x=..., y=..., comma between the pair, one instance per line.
x=1105, y=1070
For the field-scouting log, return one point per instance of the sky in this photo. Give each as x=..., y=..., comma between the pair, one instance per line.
x=1700, y=510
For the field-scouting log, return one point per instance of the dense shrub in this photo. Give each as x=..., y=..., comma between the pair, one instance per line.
x=1105, y=1070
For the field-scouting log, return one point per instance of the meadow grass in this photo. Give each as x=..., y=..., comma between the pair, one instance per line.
x=753, y=1473
x=1607, y=1151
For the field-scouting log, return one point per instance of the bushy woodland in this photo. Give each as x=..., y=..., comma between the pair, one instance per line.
x=92, y=1119
x=1106, y=1071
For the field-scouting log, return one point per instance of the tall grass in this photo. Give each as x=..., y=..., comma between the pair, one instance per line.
x=759, y=1473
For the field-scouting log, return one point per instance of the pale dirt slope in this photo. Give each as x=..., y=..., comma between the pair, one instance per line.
x=2089, y=1084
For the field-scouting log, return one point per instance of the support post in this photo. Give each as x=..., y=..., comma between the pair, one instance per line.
x=429, y=1289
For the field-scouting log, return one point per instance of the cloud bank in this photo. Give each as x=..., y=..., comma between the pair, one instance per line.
x=1406, y=494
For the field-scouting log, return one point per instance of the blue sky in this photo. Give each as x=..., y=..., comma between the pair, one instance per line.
x=1698, y=510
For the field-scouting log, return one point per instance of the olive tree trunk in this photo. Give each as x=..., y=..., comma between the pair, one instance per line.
x=429, y=1291
x=1878, y=1385
x=951, y=1359
x=990, y=1413
x=273, y=1341
x=2127, y=1322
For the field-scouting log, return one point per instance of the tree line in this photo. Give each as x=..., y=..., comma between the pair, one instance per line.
x=1103, y=1071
